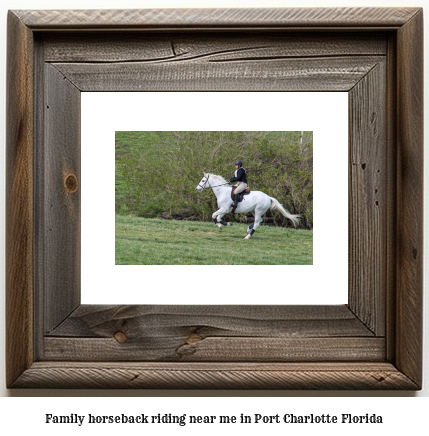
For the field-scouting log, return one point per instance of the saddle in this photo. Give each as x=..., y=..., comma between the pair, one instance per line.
x=240, y=195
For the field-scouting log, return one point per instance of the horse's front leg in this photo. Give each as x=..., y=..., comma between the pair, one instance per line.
x=217, y=218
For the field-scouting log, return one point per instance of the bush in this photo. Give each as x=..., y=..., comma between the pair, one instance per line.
x=157, y=172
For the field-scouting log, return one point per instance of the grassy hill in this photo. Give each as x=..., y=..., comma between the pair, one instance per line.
x=144, y=241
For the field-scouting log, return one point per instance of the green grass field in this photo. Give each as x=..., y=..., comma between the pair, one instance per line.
x=146, y=241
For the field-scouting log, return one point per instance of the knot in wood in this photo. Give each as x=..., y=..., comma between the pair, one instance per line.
x=193, y=338
x=120, y=337
x=70, y=183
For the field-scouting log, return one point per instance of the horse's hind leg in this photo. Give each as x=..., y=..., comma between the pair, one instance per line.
x=252, y=228
x=249, y=229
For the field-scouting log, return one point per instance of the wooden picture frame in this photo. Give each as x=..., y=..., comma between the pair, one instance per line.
x=373, y=342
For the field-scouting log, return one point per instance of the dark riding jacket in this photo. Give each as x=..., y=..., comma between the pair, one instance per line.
x=239, y=176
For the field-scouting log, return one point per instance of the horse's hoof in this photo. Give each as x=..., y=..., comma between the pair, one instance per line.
x=248, y=236
x=220, y=226
x=229, y=224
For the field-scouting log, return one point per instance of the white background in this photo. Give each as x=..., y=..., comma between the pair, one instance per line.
x=16, y=414
x=324, y=113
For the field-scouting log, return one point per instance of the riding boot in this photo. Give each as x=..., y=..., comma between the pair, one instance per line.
x=235, y=202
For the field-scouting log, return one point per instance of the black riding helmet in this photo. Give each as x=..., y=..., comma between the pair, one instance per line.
x=238, y=162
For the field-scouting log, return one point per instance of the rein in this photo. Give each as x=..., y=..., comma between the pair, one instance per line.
x=227, y=183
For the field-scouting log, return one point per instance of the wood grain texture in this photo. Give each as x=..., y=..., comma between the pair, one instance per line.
x=208, y=18
x=193, y=348
x=106, y=375
x=410, y=199
x=99, y=321
x=368, y=202
x=391, y=192
x=330, y=74
x=213, y=333
x=19, y=200
x=229, y=62
x=177, y=47
x=61, y=206
x=189, y=347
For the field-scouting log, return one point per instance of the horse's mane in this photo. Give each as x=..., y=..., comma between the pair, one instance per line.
x=219, y=178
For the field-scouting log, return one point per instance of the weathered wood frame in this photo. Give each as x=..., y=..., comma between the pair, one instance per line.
x=374, y=342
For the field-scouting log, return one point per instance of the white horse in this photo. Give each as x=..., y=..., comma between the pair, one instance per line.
x=256, y=202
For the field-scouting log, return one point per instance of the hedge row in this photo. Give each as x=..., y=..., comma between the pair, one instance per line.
x=157, y=172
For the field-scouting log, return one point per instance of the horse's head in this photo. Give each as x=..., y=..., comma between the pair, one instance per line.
x=203, y=183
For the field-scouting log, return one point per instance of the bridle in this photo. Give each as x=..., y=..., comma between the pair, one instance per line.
x=205, y=183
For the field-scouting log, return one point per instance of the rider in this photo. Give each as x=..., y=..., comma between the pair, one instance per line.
x=240, y=177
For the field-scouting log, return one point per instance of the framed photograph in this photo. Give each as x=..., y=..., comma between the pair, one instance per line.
x=57, y=340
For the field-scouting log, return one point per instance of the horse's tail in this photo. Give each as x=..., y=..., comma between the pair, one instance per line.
x=276, y=205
